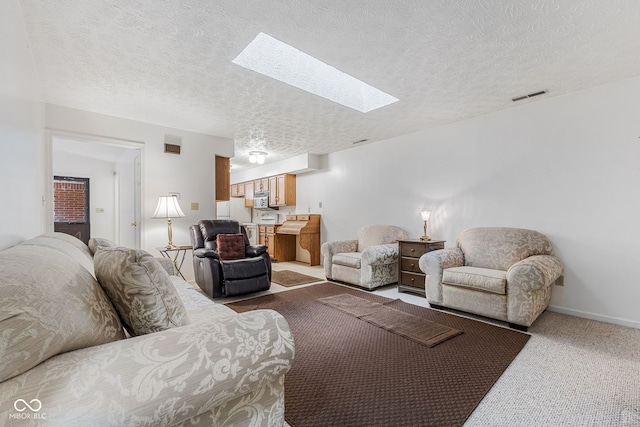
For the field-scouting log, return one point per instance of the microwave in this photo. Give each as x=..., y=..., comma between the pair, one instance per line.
x=261, y=200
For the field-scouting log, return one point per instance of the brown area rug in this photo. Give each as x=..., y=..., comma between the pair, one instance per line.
x=415, y=328
x=351, y=373
x=291, y=278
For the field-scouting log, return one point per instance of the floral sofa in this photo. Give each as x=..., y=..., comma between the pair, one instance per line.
x=69, y=355
x=498, y=272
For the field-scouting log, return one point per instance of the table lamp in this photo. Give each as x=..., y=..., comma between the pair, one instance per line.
x=425, y=217
x=168, y=207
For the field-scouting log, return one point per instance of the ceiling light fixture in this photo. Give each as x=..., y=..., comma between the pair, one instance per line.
x=257, y=157
x=278, y=60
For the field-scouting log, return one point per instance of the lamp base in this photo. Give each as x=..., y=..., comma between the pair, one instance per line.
x=425, y=239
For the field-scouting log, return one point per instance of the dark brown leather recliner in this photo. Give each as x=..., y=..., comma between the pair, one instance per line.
x=220, y=278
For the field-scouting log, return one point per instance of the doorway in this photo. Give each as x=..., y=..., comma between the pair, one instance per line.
x=71, y=213
x=113, y=170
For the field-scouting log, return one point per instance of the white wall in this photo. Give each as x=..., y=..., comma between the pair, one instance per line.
x=567, y=166
x=21, y=132
x=192, y=174
x=101, y=188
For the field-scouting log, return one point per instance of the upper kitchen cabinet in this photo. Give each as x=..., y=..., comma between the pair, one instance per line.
x=248, y=194
x=223, y=179
x=238, y=190
x=282, y=190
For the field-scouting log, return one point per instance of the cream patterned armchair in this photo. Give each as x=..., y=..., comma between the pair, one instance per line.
x=369, y=261
x=497, y=272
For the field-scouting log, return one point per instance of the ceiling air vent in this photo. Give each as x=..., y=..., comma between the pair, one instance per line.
x=172, y=144
x=531, y=95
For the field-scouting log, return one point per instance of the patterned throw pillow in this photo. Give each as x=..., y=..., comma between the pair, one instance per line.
x=96, y=242
x=140, y=289
x=230, y=246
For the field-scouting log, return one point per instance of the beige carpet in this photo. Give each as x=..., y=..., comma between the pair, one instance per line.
x=572, y=372
x=292, y=278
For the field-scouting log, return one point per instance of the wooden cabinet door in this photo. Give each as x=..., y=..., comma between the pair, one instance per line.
x=273, y=191
x=248, y=194
x=223, y=179
x=234, y=190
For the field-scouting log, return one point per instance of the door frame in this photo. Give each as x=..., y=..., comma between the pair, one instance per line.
x=51, y=134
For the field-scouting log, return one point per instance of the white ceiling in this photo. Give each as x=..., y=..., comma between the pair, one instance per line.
x=169, y=61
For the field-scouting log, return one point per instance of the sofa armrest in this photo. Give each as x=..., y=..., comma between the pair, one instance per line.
x=535, y=272
x=380, y=254
x=433, y=264
x=253, y=251
x=163, y=378
x=167, y=264
x=206, y=253
x=328, y=249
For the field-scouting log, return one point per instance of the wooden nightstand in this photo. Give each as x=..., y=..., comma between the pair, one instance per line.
x=410, y=277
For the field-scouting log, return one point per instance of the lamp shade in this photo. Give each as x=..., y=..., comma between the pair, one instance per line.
x=168, y=207
x=425, y=215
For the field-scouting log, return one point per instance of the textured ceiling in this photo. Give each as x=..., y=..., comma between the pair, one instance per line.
x=169, y=62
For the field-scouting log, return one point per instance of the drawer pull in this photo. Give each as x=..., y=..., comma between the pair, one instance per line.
x=413, y=280
x=413, y=265
x=413, y=250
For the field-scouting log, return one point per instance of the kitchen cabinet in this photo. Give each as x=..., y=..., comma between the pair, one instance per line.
x=261, y=185
x=223, y=179
x=248, y=194
x=282, y=190
x=238, y=190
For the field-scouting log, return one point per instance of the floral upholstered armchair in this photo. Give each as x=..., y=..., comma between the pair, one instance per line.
x=497, y=272
x=369, y=261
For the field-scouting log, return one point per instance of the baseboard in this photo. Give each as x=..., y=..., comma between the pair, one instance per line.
x=593, y=316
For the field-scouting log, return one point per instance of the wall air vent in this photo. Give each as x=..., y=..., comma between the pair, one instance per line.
x=531, y=95
x=172, y=144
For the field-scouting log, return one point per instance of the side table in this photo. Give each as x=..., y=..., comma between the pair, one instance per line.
x=411, y=278
x=179, y=253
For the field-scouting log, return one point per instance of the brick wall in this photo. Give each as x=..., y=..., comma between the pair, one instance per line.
x=69, y=201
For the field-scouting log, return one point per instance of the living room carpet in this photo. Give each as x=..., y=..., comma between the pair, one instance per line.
x=351, y=373
x=292, y=278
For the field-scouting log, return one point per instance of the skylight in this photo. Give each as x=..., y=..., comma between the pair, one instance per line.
x=278, y=60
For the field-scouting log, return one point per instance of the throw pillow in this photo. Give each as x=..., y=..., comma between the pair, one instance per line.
x=230, y=246
x=140, y=289
x=96, y=242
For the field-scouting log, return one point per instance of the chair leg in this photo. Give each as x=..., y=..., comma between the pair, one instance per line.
x=518, y=327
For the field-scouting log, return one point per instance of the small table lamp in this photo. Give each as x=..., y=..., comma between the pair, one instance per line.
x=425, y=217
x=168, y=207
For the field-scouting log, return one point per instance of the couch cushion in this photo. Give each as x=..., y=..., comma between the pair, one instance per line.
x=140, y=289
x=483, y=279
x=348, y=259
x=500, y=247
x=96, y=242
x=230, y=246
x=66, y=244
x=49, y=304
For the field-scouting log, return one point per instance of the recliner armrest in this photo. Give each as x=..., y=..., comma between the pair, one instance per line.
x=255, y=250
x=206, y=253
x=433, y=264
x=535, y=272
x=328, y=249
x=380, y=254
